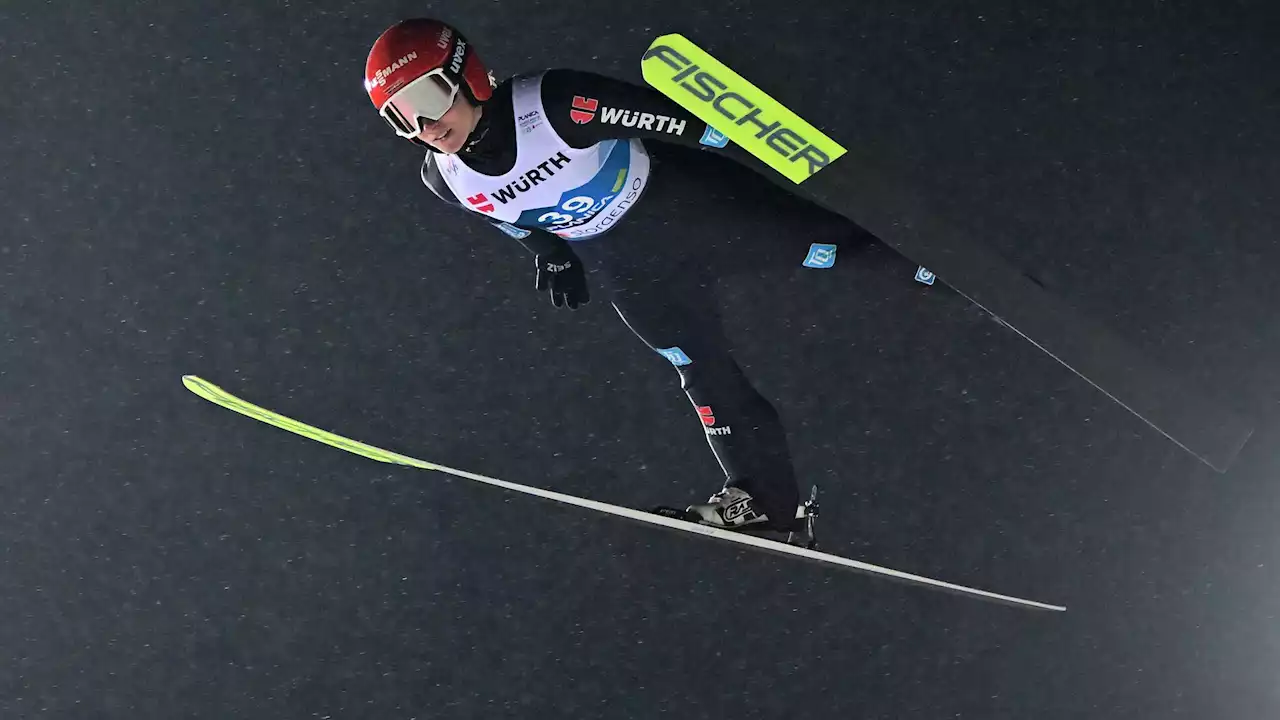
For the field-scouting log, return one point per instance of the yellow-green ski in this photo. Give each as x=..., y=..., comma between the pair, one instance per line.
x=217, y=395
x=743, y=112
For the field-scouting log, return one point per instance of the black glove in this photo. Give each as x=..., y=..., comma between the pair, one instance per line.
x=561, y=273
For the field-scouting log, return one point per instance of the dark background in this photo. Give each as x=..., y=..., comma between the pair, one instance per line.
x=193, y=188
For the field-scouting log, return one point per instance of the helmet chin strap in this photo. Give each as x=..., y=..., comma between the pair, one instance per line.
x=475, y=138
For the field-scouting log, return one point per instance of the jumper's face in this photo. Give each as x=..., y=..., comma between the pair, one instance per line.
x=449, y=134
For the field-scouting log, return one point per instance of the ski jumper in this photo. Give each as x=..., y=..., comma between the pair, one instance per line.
x=565, y=159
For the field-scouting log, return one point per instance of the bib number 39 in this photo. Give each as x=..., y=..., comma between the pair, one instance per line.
x=576, y=209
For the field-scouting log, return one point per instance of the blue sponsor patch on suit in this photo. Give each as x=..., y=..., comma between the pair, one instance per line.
x=513, y=231
x=924, y=276
x=820, y=256
x=714, y=138
x=675, y=355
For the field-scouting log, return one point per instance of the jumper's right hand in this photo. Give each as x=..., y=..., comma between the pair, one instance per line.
x=561, y=274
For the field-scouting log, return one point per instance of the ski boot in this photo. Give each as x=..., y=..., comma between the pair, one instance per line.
x=734, y=509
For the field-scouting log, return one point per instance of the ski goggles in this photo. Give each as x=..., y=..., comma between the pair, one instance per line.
x=429, y=96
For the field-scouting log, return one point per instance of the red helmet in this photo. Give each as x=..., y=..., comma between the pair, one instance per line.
x=415, y=70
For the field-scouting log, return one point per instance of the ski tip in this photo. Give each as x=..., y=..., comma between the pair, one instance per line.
x=196, y=384
x=202, y=387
